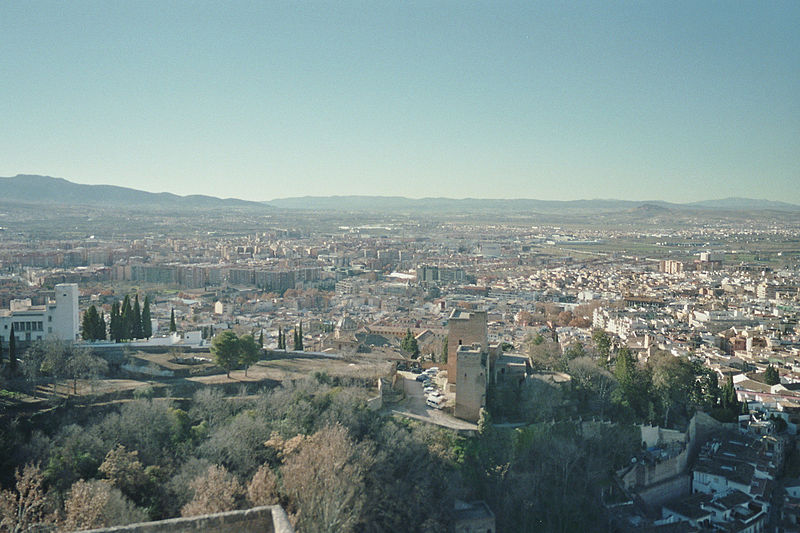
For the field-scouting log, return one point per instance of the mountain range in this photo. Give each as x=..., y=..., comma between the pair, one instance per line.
x=34, y=189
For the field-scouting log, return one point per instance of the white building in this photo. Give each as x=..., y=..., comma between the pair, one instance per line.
x=58, y=318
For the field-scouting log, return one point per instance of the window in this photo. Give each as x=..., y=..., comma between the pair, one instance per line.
x=49, y=318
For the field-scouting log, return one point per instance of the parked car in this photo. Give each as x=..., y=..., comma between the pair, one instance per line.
x=416, y=370
x=422, y=377
x=429, y=389
x=436, y=403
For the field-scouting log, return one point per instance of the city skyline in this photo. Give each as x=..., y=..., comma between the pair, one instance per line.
x=678, y=102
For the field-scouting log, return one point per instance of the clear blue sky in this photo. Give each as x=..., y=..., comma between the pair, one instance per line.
x=552, y=100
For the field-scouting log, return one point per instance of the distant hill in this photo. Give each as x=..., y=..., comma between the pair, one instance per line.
x=465, y=205
x=734, y=203
x=31, y=189
x=446, y=205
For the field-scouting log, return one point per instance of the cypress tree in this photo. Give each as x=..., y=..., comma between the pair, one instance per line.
x=12, y=352
x=114, y=326
x=136, y=321
x=300, y=337
x=147, y=323
x=126, y=328
x=89, y=324
x=112, y=321
x=260, y=340
x=101, y=328
x=172, y=326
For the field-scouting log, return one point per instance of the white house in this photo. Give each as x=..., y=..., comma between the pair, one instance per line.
x=58, y=318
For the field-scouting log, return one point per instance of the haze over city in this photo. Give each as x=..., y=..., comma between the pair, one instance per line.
x=641, y=101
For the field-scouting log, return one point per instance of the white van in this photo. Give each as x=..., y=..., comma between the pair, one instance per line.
x=437, y=402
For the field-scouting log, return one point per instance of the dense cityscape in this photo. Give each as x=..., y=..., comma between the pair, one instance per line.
x=648, y=369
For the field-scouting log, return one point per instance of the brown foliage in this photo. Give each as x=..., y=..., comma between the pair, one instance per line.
x=123, y=469
x=25, y=508
x=325, y=481
x=263, y=488
x=564, y=318
x=94, y=504
x=216, y=491
x=580, y=322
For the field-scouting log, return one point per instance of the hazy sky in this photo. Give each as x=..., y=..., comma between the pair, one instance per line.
x=550, y=100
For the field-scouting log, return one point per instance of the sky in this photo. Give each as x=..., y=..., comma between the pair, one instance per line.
x=675, y=101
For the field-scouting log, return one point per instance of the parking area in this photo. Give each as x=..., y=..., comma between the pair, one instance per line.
x=414, y=405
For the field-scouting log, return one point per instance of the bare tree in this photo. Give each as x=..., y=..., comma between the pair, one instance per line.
x=94, y=504
x=26, y=508
x=215, y=491
x=263, y=487
x=324, y=481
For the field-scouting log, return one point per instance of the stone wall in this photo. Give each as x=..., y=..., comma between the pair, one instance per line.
x=654, y=496
x=267, y=519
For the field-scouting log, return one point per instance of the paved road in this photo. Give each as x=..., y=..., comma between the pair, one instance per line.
x=414, y=406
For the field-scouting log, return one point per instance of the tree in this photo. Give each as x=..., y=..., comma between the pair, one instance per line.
x=324, y=480
x=136, y=321
x=673, y=381
x=90, y=324
x=261, y=339
x=263, y=487
x=443, y=356
x=298, y=341
x=172, y=326
x=147, y=322
x=602, y=342
x=123, y=470
x=225, y=349
x=25, y=509
x=12, y=352
x=83, y=364
x=215, y=491
x=101, y=328
x=248, y=351
x=410, y=345
x=771, y=376
x=115, y=323
x=127, y=318
x=300, y=336
x=96, y=504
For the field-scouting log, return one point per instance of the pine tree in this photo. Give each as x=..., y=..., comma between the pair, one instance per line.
x=147, y=322
x=12, y=352
x=136, y=321
x=410, y=345
x=172, y=326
